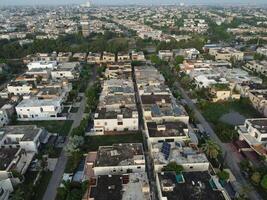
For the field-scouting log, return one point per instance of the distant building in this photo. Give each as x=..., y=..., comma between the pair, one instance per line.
x=85, y=25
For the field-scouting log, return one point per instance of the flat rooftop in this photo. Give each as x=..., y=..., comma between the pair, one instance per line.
x=7, y=156
x=156, y=99
x=29, y=132
x=166, y=129
x=178, y=152
x=119, y=99
x=121, y=187
x=196, y=186
x=119, y=155
x=126, y=112
x=38, y=102
x=260, y=124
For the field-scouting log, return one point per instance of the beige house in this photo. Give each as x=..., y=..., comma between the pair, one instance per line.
x=108, y=57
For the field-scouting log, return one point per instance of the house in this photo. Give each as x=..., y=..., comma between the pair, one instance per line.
x=166, y=55
x=193, y=185
x=123, y=57
x=20, y=88
x=181, y=152
x=79, y=57
x=42, y=65
x=64, y=56
x=138, y=56
x=115, y=121
x=254, y=133
x=119, y=187
x=94, y=58
x=26, y=137
x=39, y=109
x=227, y=53
x=220, y=92
x=68, y=70
x=120, y=159
x=262, y=50
x=258, y=98
x=108, y=57
x=257, y=66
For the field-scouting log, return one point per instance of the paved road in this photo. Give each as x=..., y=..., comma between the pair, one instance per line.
x=232, y=159
x=56, y=178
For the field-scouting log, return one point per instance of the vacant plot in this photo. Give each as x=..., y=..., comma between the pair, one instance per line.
x=232, y=118
x=223, y=116
x=60, y=127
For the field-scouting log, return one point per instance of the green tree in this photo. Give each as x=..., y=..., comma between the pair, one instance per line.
x=223, y=175
x=74, y=143
x=264, y=182
x=173, y=166
x=256, y=178
x=211, y=149
x=18, y=194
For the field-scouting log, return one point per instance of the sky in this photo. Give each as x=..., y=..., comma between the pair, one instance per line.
x=123, y=2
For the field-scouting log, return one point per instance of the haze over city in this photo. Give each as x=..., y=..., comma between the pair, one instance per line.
x=139, y=2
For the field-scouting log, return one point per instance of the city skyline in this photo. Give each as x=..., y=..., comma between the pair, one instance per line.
x=139, y=2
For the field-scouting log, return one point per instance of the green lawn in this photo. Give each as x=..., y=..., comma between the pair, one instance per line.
x=60, y=127
x=214, y=111
x=42, y=184
x=93, y=142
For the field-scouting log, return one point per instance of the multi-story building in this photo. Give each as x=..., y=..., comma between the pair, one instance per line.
x=254, y=134
x=257, y=66
x=166, y=55
x=94, y=58
x=120, y=159
x=108, y=57
x=39, y=109
x=42, y=65
x=85, y=25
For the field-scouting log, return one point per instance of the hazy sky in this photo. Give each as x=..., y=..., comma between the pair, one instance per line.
x=113, y=2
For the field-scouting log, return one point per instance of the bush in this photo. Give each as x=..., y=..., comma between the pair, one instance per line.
x=173, y=166
x=264, y=182
x=223, y=175
x=256, y=178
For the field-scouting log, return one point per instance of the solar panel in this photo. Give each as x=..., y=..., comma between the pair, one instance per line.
x=166, y=147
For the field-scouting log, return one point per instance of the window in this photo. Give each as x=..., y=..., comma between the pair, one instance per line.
x=138, y=167
x=120, y=123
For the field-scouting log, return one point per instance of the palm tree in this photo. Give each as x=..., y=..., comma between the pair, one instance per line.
x=211, y=149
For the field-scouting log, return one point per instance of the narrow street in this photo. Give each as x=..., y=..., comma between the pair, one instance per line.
x=55, y=180
x=241, y=185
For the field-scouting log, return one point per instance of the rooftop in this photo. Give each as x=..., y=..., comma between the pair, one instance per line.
x=126, y=112
x=178, y=152
x=120, y=155
x=166, y=129
x=38, y=102
x=7, y=156
x=121, y=187
x=197, y=185
x=28, y=132
x=260, y=124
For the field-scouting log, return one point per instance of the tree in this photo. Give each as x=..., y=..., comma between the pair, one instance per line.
x=223, y=175
x=256, y=178
x=18, y=194
x=74, y=143
x=264, y=182
x=173, y=166
x=179, y=60
x=211, y=149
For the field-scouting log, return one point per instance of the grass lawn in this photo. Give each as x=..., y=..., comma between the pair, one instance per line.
x=61, y=127
x=42, y=184
x=213, y=112
x=93, y=142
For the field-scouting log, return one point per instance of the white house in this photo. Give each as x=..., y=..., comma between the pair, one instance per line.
x=39, y=109
x=120, y=159
x=42, y=65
